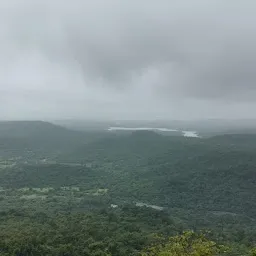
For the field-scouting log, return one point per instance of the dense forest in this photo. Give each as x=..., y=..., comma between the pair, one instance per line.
x=94, y=192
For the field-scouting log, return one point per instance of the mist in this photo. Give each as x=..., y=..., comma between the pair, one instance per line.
x=127, y=59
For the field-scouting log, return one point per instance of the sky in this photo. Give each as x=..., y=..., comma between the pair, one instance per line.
x=127, y=59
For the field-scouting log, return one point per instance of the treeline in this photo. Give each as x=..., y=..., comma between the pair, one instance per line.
x=122, y=232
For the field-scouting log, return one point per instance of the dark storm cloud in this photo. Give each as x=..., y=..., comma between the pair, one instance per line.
x=161, y=53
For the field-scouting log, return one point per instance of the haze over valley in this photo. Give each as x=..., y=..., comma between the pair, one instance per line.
x=127, y=128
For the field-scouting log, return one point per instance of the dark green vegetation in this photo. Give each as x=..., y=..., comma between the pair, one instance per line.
x=106, y=232
x=66, y=192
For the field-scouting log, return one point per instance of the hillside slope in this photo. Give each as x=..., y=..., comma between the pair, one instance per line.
x=205, y=174
x=36, y=138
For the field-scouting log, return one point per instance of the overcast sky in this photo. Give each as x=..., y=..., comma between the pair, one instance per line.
x=127, y=59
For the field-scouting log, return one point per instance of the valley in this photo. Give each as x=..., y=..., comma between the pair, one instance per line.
x=133, y=177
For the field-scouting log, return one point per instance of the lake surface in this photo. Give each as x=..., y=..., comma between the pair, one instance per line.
x=193, y=134
x=140, y=129
x=190, y=134
x=155, y=207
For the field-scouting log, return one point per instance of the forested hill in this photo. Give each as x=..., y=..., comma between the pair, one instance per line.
x=215, y=174
x=31, y=129
x=124, y=187
x=17, y=138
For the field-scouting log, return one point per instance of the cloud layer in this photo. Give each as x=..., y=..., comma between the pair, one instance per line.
x=138, y=59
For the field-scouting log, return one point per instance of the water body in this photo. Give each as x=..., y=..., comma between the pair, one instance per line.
x=193, y=134
x=190, y=134
x=140, y=129
x=155, y=207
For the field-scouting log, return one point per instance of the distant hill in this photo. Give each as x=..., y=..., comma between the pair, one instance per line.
x=35, y=138
x=235, y=141
x=214, y=174
x=38, y=138
x=30, y=128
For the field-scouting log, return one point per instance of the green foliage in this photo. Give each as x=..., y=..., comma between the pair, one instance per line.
x=95, y=233
x=187, y=244
x=253, y=252
x=64, y=183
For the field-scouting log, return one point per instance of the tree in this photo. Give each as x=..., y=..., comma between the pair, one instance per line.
x=187, y=244
x=253, y=252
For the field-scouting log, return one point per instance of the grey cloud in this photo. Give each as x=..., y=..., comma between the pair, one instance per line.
x=156, y=53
